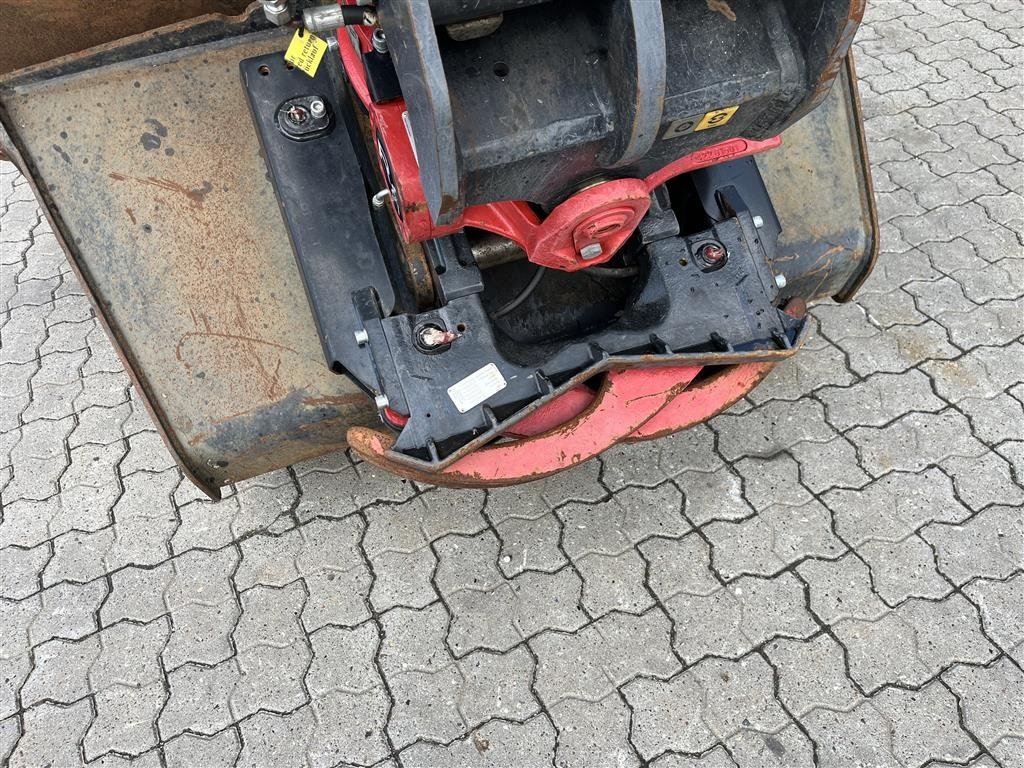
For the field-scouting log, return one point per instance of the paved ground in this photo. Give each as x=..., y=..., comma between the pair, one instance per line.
x=832, y=572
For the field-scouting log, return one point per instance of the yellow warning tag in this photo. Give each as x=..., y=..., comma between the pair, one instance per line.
x=716, y=118
x=305, y=51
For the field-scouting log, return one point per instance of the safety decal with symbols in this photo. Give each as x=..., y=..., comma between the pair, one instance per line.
x=716, y=118
x=305, y=51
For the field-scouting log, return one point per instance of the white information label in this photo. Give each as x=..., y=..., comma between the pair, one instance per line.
x=477, y=387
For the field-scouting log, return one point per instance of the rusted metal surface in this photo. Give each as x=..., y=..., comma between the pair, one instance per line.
x=820, y=184
x=151, y=174
x=626, y=400
x=39, y=30
x=147, y=165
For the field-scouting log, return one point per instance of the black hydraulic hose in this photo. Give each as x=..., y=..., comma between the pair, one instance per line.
x=523, y=294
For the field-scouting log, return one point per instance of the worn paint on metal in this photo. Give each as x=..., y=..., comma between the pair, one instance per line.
x=151, y=173
x=819, y=181
x=144, y=158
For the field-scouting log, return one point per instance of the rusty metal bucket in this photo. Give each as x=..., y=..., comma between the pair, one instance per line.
x=144, y=158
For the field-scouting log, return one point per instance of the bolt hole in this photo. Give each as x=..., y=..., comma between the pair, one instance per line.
x=461, y=327
x=264, y=70
x=501, y=69
x=428, y=415
x=683, y=262
x=289, y=65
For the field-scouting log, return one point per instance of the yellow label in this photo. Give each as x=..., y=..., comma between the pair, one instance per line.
x=716, y=118
x=305, y=51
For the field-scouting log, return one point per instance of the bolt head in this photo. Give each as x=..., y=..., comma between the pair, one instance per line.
x=591, y=251
x=758, y=221
x=379, y=40
x=362, y=337
x=381, y=401
x=317, y=108
x=780, y=281
x=277, y=12
x=713, y=254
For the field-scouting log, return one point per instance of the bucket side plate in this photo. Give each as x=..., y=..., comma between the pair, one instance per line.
x=150, y=172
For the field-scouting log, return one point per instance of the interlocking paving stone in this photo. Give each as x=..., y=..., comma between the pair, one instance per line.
x=829, y=573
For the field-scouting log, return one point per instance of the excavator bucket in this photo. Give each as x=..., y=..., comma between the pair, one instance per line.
x=146, y=161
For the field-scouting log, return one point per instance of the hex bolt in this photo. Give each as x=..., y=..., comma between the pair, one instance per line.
x=317, y=108
x=381, y=401
x=758, y=222
x=713, y=254
x=431, y=336
x=277, y=12
x=362, y=337
x=780, y=281
x=297, y=114
x=591, y=251
x=379, y=40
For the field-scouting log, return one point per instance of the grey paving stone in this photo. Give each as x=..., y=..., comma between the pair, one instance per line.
x=19, y=576
x=530, y=745
x=593, y=733
x=349, y=728
x=903, y=569
x=776, y=538
x=981, y=481
x=60, y=672
x=613, y=583
x=137, y=593
x=10, y=732
x=992, y=700
x=589, y=664
x=789, y=748
x=278, y=740
x=738, y=696
x=426, y=706
x=841, y=589
x=530, y=545
x=198, y=699
x=770, y=428
x=879, y=399
x=1000, y=603
x=68, y=612
x=678, y=565
x=218, y=751
x=403, y=579
x=496, y=685
x=716, y=757
x=668, y=716
x=767, y=482
x=925, y=725
x=129, y=655
x=414, y=640
x=483, y=620
x=343, y=660
x=990, y=544
x=650, y=462
x=125, y=720
x=547, y=601
x=716, y=495
x=707, y=625
x=812, y=674
x=52, y=735
x=895, y=506
x=859, y=736
x=915, y=441
x=629, y=517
